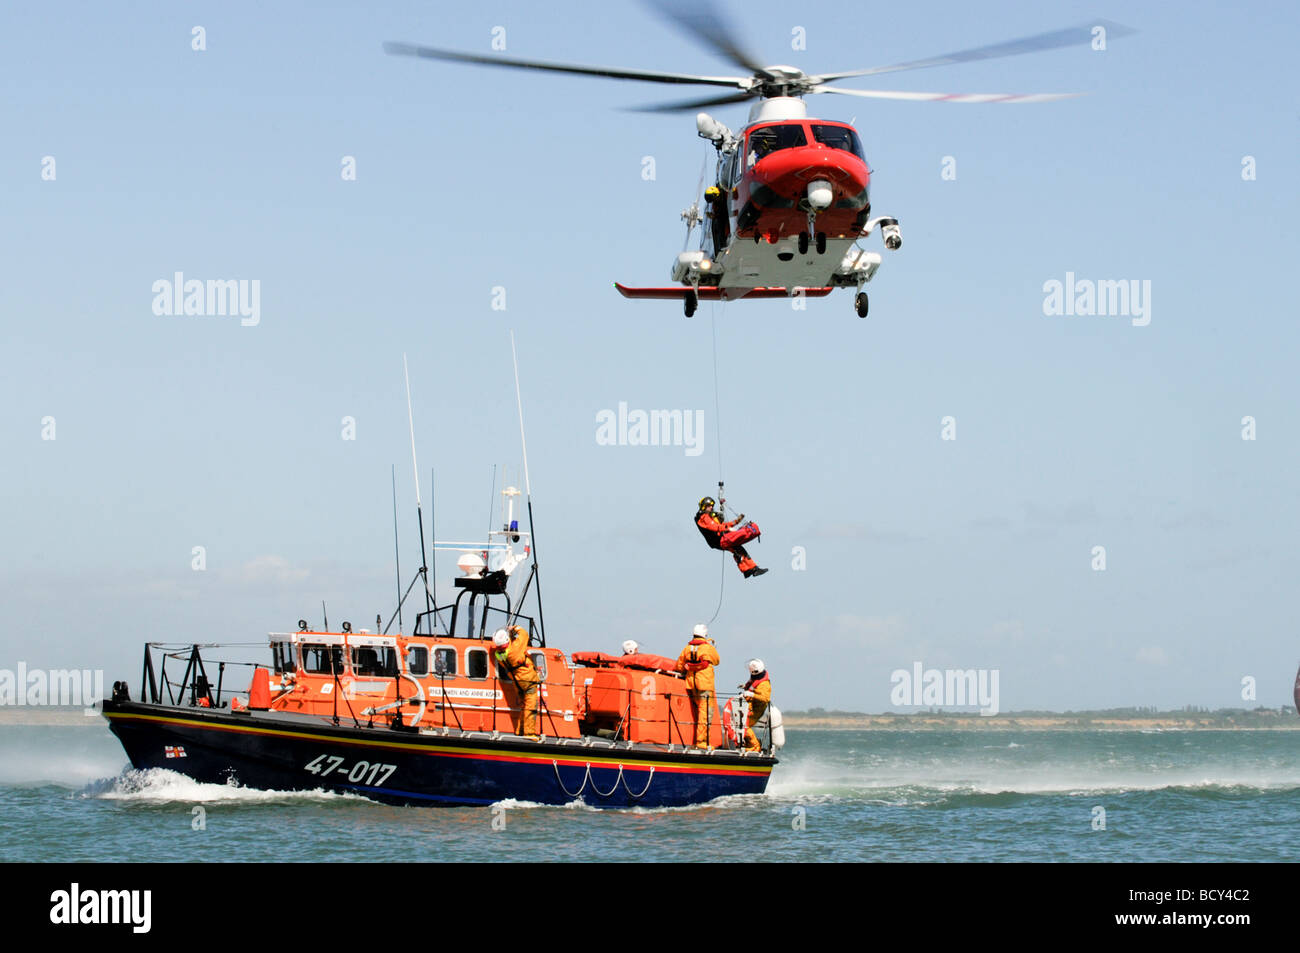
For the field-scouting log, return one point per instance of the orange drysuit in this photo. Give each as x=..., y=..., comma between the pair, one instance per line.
x=697, y=661
x=519, y=668
x=761, y=686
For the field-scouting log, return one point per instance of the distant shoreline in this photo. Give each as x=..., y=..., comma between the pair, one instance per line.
x=34, y=715
x=1271, y=719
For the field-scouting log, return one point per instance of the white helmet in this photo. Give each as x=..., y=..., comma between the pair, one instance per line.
x=500, y=637
x=701, y=631
x=630, y=647
x=756, y=666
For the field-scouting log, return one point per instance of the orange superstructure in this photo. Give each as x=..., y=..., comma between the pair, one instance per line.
x=432, y=682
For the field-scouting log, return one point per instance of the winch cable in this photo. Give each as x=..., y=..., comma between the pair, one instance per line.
x=717, y=424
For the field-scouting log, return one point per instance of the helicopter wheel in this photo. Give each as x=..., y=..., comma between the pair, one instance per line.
x=860, y=304
x=803, y=243
x=821, y=243
x=691, y=302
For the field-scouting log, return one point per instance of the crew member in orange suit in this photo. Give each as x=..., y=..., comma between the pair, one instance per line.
x=512, y=659
x=720, y=534
x=696, y=662
x=758, y=692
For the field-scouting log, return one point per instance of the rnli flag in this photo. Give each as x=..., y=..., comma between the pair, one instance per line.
x=174, y=751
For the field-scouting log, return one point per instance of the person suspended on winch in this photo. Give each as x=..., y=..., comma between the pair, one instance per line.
x=758, y=692
x=696, y=662
x=719, y=534
x=631, y=648
x=512, y=659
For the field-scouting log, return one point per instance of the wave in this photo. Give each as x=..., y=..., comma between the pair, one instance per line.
x=816, y=781
x=161, y=786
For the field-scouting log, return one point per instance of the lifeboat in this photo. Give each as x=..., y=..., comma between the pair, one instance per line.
x=430, y=717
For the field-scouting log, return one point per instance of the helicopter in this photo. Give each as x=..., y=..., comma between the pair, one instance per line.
x=790, y=198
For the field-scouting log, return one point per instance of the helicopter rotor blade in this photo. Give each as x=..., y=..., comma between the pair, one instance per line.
x=949, y=97
x=649, y=76
x=691, y=105
x=700, y=21
x=1070, y=36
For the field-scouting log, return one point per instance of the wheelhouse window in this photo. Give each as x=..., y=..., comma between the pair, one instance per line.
x=444, y=662
x=417, y=660
x=322, y=659
x=539, y=660
x=839, y=137
x=374, y=661
x=768, y=139
x=477, y=663
x=284, y=657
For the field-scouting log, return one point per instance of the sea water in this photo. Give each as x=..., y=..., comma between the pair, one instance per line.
x=67, y=794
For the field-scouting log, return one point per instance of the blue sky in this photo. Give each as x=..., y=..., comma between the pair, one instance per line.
x=1072, y=432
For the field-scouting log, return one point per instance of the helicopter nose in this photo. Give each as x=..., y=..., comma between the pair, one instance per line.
x=820, y=194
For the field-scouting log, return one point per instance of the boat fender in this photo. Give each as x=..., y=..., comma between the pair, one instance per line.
x=259, y=692
x=778, y=730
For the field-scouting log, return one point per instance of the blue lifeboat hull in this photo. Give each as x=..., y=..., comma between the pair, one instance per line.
x=272, y=751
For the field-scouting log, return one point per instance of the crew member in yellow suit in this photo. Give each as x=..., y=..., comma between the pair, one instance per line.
x=696, y=662
x=512, y=659
x=758, y=692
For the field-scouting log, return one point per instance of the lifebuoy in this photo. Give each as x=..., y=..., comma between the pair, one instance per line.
x=730, y=715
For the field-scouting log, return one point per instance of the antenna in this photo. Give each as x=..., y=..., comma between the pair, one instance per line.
x=492, y=497
x=528, y=487
x=528, y=491
x=324, y=616
x=419, y=510
x=397, y=553
x=433, y=538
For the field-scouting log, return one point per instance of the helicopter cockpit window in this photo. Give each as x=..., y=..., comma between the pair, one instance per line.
x=768, y=139
x=839, y=137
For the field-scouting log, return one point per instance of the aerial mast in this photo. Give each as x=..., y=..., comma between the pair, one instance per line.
x=419, y=511
x=528, y=489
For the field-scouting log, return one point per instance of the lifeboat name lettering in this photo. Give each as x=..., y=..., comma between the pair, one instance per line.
x=362, y=772
x=473, y=693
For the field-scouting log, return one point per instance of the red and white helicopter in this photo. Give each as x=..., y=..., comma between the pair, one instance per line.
x=789, y=202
